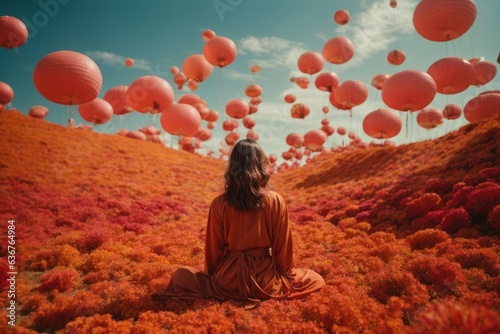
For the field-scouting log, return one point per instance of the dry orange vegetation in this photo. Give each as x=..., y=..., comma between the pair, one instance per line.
x=407, y=238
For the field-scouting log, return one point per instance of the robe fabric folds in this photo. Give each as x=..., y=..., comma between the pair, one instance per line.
x=248, y=258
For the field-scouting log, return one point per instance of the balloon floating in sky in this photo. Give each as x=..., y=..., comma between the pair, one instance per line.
x=255, y=69
x=444, y=20
x=253, y=90
x=150, y=93
x=484, y=71
x=197, y=68
x=379, y=79
x=409, y=90
x=327, y=81
x=299, y=110
x=429, y=118
x=484, y=105
x=237, y=108
x=396, y=57
x=181, y=120
x=452, y=111
x=67, y=77
x=452, y=75
x=116, y=97
x=207, y=35
x=310, y=62
x=382, y=123
x=6, y=93
x=351, y=93
x=13, y=32
x=338, y=50
x=129, y=62
x=38, y=112
x=220, y=51
x=97, y=111
x=314, y=140
x=393, y=3
x=341, y=17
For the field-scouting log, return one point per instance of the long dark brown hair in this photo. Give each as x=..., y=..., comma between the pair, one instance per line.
x=246, y=180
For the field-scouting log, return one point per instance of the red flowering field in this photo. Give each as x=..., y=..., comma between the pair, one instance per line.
x=407, y=237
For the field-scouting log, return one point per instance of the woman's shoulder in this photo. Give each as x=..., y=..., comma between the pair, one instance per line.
x=273, y=196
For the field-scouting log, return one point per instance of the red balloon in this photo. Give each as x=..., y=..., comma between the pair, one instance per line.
x=299, y=110
x=180, y=79
x=295, y=140
x=97, y=111
x=193, y=85
x=379, y=80
x=341, y=17
x=272, y=158
x=38, y=112
x=351, y=93
x=207, y=35
x=174, y=70
x=335, y=103
x=409, y=90
x=444, y=20
x=253, y=108
x=181, y=120
x=190, y=99
x=314, y=140
x=150, y=130
x=129, y=62
x=232, y=138
x=211, y=125
x=67, y=77
x=482, y=106
x=382, y=123
x=393, y=3
x=341, y=130
x=253, y=90
x=310, y=62
x=203, y=134
x=252, y=135
x=325, y=110
x=452, y=111
x=429, y=118
x=212, y=116
x=327, y=81
x=13, y=32
x=229, y=125
x=248, y=122
x=452, y=75
x=256, y=100
x=396, y=57
x=338, y=50
x=196, y=67
x=484, y=71
x=116, y=96
x=220, y=51
x=255, y=69
x=289, y=98
x=302, y=82
x=150, y=94
x=237, y=108
x=328, y=129
x=202, y=109
x=6, y=93
x=136, y=135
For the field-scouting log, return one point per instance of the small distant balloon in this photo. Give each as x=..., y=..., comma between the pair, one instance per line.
x=396, y=57
x=174, y=70
x=38, y=112
x=255, y=69
x=207, y=35
x=6, y=93
x=393, y=3
x=341, y=17
x=129, y=62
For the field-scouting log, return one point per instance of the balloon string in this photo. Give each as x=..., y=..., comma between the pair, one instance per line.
x=220, y=90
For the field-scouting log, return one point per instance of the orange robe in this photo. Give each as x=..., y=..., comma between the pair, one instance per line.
x=248, y=258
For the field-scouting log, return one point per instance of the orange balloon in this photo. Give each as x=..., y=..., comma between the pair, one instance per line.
x=180, y=79
x=409, y=90
x=97, y=111
x=396, y=57
x=452, y=75
x=299, y=110
x=436, y=20
x=6, y=93
x=295, y=140
x=272, y=158
x=289, y=98
x=193, y=85
x=229, y=125
x=253, y=90
x=38, y=112
x=232, y=138
x=341, y=130
x=253, y=108
x=255, y=69
x=335, y=103
x=341, y=17
x=328, y=129
x=325, y=110
x=338, y=50
x=310, y=62
x=256, y=100
x=382, y=123
x=484, y=105
x=136, y=135
x=302, y=82
x=393, y=3
x=351, y=93
x=484, y=71
x=248, y=122
x=207, y=35
x=150, y=93
x=327, y=81
x=211, y=125
x=212, y=116
x=325, y=121
x=452, y=111
x=429, y=118
x=202, y=109
x=203, y=134
x=314, y=140
x=252, y=135
x=150, y=130
x=174, y=70
x=13, y=32
x=129, y=62
x=379, y=80
x=237, y=108
x=196, y=67
x=220, y=51
x=67, y=77
x=181, y=120
x=116, y=97
x=190, y=98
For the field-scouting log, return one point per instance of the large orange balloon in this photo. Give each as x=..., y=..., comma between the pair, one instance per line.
x=116, y=96
x=484, y=105
x=150, y=94
x=396, y=57
x=429, y=118
x=38, y=112
x=253, y=90
x=196, y=67
x=341, y=16
x=237, y=108
x=444, y=20
x=13, y=32
x=314, y=140
x=452, y=111
x=181, y=120
x=338, y=50
x=379, y=80
x=382, y=123
x=351, y=93
x=6, y=93
x=409, y=90
x=97, y=111
x=220, y=51
x=327, y=81
x=452, y=75
x=310, y=62
x=299, y=110
x=67, y=77
x=484, y=71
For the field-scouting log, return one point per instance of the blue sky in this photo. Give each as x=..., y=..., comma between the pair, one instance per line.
x=159, y=34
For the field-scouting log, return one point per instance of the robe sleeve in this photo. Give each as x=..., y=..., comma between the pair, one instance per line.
x=214, y=242
x=282, y=239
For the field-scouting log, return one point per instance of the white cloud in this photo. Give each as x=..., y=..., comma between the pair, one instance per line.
x=374, y=29
x=117, y=60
